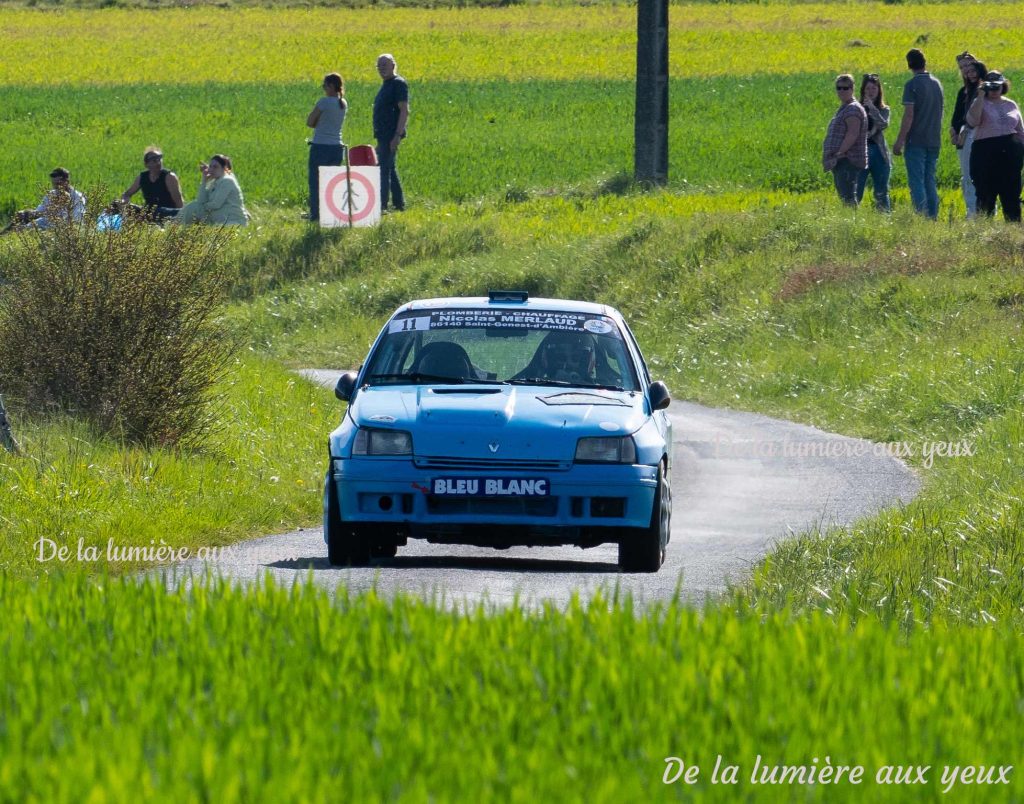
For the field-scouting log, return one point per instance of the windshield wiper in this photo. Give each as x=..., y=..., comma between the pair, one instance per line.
x=564, y=384
x=540, y=381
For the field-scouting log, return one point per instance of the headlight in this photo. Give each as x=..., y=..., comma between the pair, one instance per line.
x=606, y=450
x=373, y=441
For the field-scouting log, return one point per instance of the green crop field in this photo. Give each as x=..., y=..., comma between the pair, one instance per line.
x=892, y=642
x=507, y=98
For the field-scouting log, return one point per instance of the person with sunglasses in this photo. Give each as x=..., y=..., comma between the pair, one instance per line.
x=879, y=161
x=920, y=136
x=160, y=187
x=998, y=154
x=960, y=133
x=845, y=149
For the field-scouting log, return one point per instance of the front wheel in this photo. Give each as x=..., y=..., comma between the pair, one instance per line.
x=643, y=549
x=344, y=543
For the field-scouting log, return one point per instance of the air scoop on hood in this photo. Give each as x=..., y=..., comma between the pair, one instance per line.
x=582, y=398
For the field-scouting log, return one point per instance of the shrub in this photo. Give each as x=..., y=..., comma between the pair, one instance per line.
x=116, y=327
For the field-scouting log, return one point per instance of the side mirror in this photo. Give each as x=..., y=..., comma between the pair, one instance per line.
x=346, y=385
x=660, y=397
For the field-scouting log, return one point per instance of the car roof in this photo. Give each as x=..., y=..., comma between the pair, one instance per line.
x=534, y=304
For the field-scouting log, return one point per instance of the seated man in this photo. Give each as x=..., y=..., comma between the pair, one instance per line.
x=61, y=202
x=160, y=187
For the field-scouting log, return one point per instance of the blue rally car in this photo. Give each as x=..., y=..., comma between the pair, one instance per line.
x=501, y=421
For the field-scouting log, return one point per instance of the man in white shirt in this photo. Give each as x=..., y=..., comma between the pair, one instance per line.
x=62, y=201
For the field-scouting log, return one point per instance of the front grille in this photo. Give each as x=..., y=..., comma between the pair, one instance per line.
x=494, y=506
x=489, y=464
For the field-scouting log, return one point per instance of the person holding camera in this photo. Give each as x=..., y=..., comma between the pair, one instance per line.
x=961, y=134
x=998, y=153
x=845, y=149
x=879, y=161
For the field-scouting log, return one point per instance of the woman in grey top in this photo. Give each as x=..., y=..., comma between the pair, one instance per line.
x=879, y=161
x=326, y=148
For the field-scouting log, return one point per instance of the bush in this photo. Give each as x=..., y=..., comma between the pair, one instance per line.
x=116, y=327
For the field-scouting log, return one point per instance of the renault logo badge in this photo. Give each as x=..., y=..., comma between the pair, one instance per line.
x=493, y=446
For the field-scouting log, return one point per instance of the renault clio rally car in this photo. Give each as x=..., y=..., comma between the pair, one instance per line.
x=501, y=421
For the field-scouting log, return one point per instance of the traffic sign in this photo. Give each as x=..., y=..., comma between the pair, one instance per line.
x=349, y=197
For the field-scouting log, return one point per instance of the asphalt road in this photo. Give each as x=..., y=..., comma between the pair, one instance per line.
x=740, y=482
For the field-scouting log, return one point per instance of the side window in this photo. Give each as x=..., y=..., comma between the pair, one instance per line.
x=645, y=375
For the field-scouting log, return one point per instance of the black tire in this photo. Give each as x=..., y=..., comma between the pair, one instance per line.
x=643, y=549
x=344, y=545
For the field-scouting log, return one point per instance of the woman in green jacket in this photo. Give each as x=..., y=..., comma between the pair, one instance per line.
x=220, y=198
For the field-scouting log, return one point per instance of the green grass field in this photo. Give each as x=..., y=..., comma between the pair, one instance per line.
x=514, y=98
x=895, y=641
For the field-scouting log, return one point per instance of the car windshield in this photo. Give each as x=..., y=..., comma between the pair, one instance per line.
x=485, y=346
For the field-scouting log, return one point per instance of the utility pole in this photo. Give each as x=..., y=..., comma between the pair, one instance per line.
x=650, y=156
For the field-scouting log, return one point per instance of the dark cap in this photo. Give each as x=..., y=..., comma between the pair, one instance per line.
x=60, y=173
x=994, y=77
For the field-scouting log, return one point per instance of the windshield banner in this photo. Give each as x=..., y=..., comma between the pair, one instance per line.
x=504, y=319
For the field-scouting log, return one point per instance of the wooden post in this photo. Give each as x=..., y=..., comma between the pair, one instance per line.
x=650, y=155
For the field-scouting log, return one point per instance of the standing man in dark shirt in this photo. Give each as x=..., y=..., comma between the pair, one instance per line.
x=390, y=115
x=920, y=134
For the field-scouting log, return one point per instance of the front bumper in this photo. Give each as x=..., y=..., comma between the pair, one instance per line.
x=581, y=499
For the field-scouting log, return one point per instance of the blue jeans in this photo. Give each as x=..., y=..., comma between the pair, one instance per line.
x=321, y=156
x=879, y=169
x=921, y=179
x=844, y=175
x=390, y=184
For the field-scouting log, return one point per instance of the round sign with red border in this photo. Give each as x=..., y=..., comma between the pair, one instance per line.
x=358, y=212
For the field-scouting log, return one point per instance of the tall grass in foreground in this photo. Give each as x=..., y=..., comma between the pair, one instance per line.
x=119, y=690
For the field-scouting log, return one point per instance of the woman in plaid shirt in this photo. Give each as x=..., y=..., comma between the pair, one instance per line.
x=845, y=150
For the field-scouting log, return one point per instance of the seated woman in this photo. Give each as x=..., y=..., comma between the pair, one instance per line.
x=220, y=198
x=160, y=187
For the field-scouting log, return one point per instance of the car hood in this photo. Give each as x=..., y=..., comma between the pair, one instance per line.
x=503, y=422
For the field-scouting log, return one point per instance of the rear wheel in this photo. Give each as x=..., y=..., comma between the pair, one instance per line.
x=643, y=549
x=345, y=545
